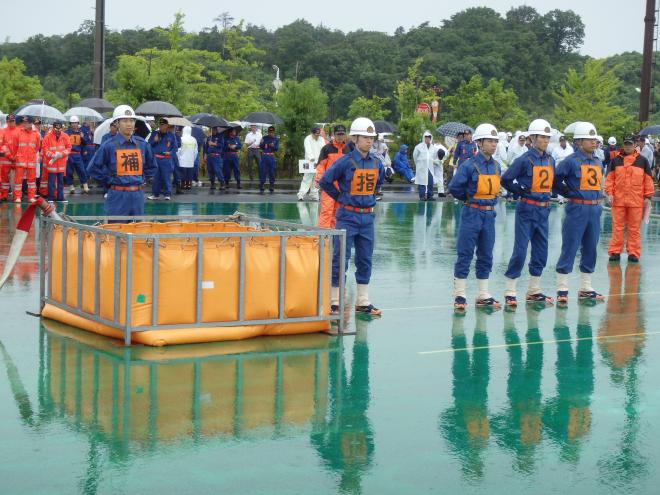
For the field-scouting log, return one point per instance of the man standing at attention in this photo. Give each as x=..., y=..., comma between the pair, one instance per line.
x=252, y=141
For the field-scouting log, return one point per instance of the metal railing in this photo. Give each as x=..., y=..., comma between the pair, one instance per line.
x=92, y=226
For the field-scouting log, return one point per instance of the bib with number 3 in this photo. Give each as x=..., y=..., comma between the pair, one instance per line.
x=129, y=162
x=487, y=187
x=364, y=182
x=542, y=177
x=591, y=178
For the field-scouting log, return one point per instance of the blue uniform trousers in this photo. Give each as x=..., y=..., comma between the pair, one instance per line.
x=581, y=228
x=55, y=186
x=267, y=169
x=359, y=234
x=124, y=203
x=229, y=165
x=531, y=225
x=75, y=164
x=426, y=191
x=476, y=230
x=214, y=166
x=195, y=173
x=163, y=177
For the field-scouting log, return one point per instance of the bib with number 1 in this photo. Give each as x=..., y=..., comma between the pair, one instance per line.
x=542, y=177
x=364, y=181
x=487, y=187
x=129, y=162
x=591, y=177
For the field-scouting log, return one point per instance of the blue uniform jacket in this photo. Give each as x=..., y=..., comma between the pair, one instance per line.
x=270, y=144
x=217, y=147
x=464, y=151
x=400, y=162
x=166, y=145
x=464, y=184
x=568, y=176
x=518, y=177
x=103, y=166
x=106, y=137
x=229, y=141
x=342, y=171
x=83, y=139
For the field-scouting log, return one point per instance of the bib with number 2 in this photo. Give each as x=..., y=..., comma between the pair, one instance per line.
x=129, y=162
x=487, y=187
x=542, y=177
x=364, y=181
x=591, y=178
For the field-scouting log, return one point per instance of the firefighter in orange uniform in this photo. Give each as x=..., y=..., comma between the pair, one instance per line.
x=329, y=154
x=24, y=147
x=629, y=188
x=55, y=152
x=6, y=163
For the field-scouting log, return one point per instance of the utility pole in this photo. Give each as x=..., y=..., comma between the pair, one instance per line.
x=99, y=50
x=647, y=62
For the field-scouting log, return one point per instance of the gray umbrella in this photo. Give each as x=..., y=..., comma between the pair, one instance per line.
x=99, y=104
x=650, y=130
x=267, y=118
x=84, y=113
x=208, y=120
x=158, y=109
x=451, y=129
x=45, y=112
x=384, y=126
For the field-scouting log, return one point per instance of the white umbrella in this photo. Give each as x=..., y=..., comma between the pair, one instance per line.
x=45, y=112
x=142, y=129
x=84, y=113
x=570, y=128
x=179, y=121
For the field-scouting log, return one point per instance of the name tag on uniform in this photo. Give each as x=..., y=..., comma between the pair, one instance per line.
x=591, y=178
x=75, y=139
x=364, y=182
x=542, y=177
x=488, y=186
x=305, y=167
x=129, y=162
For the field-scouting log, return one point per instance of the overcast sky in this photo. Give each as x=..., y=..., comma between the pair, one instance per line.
x=611, y=26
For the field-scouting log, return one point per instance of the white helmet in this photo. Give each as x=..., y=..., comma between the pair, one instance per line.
x=74, y=119
x=123, y=112
x=485, y=131
x=363, y=126
x=611, y=141
x=539, y=127
x=585, y=130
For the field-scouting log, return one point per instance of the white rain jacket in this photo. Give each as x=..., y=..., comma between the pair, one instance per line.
x=424, y=156
x=188, y=149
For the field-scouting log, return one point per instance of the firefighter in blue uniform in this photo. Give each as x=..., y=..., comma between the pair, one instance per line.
x=579, y=178
x=90, y=147
x=477, y=182
x=530, y=177
x=213, y=153
x=123, y=162
x=358, y=174
x=230, y=158
x=465, y=149
x=269, y=146
x=164, y=147
x=75, y=161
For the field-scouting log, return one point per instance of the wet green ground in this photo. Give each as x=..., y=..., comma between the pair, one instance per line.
x=420, y=401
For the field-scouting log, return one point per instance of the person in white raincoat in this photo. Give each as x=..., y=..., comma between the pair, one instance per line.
x=516, y=147
x=501, y=150
x=438, y=168
x=424, y=155
x=187, y=154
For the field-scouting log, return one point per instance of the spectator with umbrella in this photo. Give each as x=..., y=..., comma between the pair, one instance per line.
x=24, y=147
x=253, y=142
x=232, y=146
x=213, y=148
x=164, y=147
x=269, y=145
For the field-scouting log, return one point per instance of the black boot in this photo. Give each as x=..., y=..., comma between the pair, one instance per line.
x=212, y=185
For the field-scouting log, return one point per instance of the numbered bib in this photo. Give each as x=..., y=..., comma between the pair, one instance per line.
x=488, y=186
x=129, y=162
x=75, y=139
x=364, y=182
x=305, y=167
x=542, y=177
x=592, y=178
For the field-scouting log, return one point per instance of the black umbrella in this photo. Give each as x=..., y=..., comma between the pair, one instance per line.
x=158, y=109
x=198, y=134
x=384, y=126
x=650, y=130
x=209, y=120
x=266, y=118
x=451, y=129
x=99, y=104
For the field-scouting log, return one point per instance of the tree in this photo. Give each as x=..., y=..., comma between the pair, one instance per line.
x=300, y=104
x=589, y=96
x=369, y=107
x=411, y=91
x=175, y=33
x=564, y=30
x=475, y=103
x=15, y=87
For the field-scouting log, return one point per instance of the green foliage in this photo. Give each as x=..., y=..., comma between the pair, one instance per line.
x=15, y=87
x=411, y=91
x=475, y=103
x=175, y=33
x=588, y=96
x=411, y=129
x=369, y=107
x=300, y=104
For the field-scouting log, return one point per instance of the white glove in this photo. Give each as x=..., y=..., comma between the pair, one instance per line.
x=52, y=160
x=57, y=156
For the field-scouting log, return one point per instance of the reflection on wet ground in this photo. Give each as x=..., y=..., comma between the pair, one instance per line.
x=541, y=400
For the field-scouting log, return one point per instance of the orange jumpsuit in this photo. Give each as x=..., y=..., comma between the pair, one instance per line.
x=6, y=163
x=329, y=154
x=53, y=144
x=25, y=146
x=628, y=182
